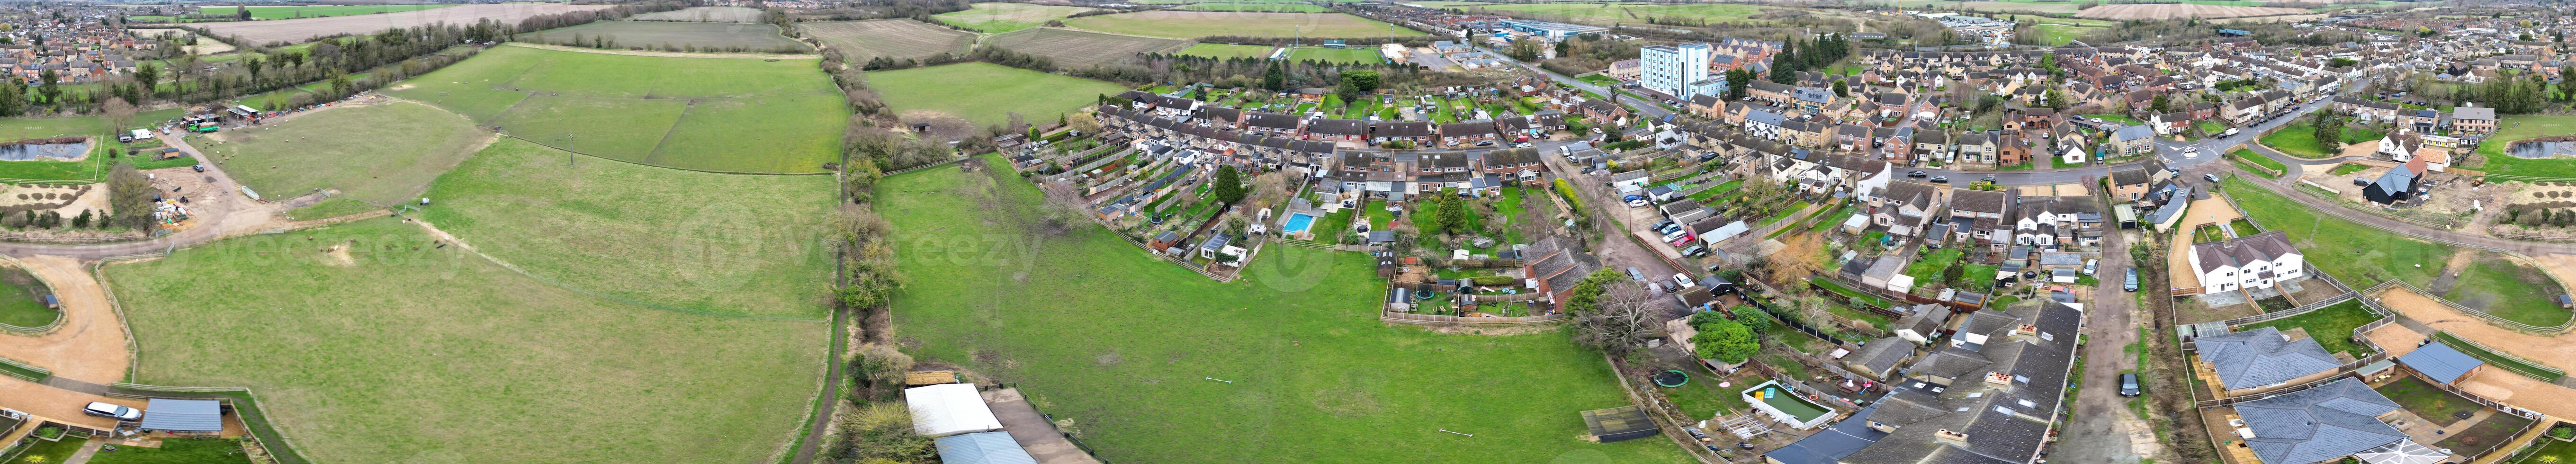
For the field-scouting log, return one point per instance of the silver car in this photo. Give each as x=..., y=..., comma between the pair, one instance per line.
x=112, y=411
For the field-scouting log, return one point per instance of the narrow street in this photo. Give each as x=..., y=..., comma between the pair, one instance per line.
x=1615, y=249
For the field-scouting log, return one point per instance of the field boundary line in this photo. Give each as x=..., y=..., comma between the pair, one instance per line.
x=639, y=163
x=460, y=243
x=665, y=141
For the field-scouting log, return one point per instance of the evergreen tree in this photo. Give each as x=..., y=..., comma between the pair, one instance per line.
x=1275, y=78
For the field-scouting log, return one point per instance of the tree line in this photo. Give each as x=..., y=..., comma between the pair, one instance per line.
x=391, y=55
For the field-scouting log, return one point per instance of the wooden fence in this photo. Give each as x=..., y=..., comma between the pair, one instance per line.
x=2491, y=318
x=1435, y=320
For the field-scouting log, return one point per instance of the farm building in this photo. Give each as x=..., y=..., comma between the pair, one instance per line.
x=949, y=409
x=183, y=416
x=982, y=448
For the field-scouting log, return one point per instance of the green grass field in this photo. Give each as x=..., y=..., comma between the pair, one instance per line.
x=2059, y=31
x=177, y=451
x=2299, y=139
x=2424, y=400
x=2553, y=451
x=768, y=116
x=1196, y=24
x=317, y=11
x=724, y=243
x=2331, y=326
x=402, y=350
x=1602, y=14
x=49, y=451
x=2356, y=254
x=998, y=91
x=2507, y=289
x=1257, y=7
x=667, y=34
x=1335, y=55
x=333, y=207
x=1927, y=268
x=2508, y=130
x=1218, y=50
x=381, y=154
x=20, y=303
x=1006, y=17
x=1317, y=378
x=14, y=129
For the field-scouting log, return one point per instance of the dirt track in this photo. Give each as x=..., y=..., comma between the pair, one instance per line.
x=2557, y=351
x=91, y=344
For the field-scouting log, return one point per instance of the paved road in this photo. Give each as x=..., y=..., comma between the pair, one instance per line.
x=2171, y=151
x=2102, y=429
x=1639, y=105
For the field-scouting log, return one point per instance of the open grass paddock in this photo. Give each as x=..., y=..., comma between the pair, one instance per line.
x=318, y=11
x=1072, y=48
x=859, y=41
x=724, y=243
x=1195, y=24
x=710, y=114
x=984, y=93
x=2508, y=130
x=300, y=30
x=1218, y=50
x=1119, y=345
x=398, y=351
x=382, y=154
x=2357, y=255
x=704, y=14
x=1006, y=17
x=660, y=35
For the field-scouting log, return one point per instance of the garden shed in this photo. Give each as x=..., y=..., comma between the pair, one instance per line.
x=949, y=409
x=1620, y=423
x=982, y=448
x=176, y=415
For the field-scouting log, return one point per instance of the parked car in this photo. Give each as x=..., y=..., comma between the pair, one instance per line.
x=1639, y=203
x=2089, y=265
x=1521, y=145
x=1660, y=225
x=1670, y=236
x=112, y=411
x=1633, y=273
x=2132, y=282
x=2129, y=385
x=1916, y=174
x=1988, y=179
x=200, y=168
x=1695, y=251
x=1940, y=179
x=2213, y=178
x=1682, y=281
x=1633, y=198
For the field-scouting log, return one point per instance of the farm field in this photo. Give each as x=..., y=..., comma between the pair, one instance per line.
x=2380, y=255
x=2508, y=130
x=1600, y=14
x=929, y=92
x=15, y=129
x=748, y=115
x=1006, y=17
x=1195, y=24
x=2059, y=31
x=711, y=36
x=1257, y=7
x=704, y=14
x=1335, y=55
x=1317, y=378
x=695, y=241
x=395, y=351
x=299, y=30
x=381, y=154
x=1444, y=4
x=1218, y=50
x=1079, y=49
x=860, y=41
x=2181, y=11
x=2004, y=6
x=318, y=11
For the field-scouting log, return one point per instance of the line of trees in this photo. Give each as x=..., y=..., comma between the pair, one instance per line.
x=1818, y=51
x=393, y=54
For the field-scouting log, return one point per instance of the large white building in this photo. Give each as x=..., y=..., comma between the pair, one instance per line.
x=1670, y=68
x=2248, y=262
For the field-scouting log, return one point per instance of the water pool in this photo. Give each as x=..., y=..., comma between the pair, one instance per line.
x=1297, y=223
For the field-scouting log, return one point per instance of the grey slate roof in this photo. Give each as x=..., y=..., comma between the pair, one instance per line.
x=2003, y=423
x=2320, y=423
x=2264, y=356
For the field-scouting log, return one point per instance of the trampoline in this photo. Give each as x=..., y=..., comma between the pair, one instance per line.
x=1670, y=378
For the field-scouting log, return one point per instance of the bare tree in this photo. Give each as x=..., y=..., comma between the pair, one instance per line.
x=1269, y=190
x=1622, y=319
x=119, y=114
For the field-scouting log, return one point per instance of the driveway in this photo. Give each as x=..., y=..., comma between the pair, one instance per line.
x=2102, y=429
x=1615, y=249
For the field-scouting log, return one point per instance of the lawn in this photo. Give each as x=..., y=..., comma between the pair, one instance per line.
x=2331, y=326
x=2510, y=290
x=1315, y=376
x=2243, y=227
x=50, y=452
x=1848, y=292
x=1335, y=55
x=382, y=154
x=769, y=116
x=1006, y=17
x=21, y=302
x=1261, y=7
x=930, y=92
x=2259, y=160
x=2553, y=451
x=2118, y=118
x=2348, y=169
x=2299, y=139
x=1195, y=24
x=2358, y=255
x=2508, y=130
x=1218, y=50
x=2425, y=400
x=332, y=207
x=177, y=451
x=1926, y=269
x=724, y=243
x=291, y=12
x=395, y=351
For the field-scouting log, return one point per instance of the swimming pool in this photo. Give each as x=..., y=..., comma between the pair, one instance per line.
x=1297, y=223
x=1784, y=405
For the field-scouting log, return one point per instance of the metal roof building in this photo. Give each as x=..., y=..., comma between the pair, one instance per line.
x=183, y=415
x=2440, y=362
x=982, y=448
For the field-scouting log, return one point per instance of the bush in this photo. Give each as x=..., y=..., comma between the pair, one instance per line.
x=1493, y=281
x=1572, y=200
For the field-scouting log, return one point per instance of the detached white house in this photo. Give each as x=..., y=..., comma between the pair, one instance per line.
x=2248, y=262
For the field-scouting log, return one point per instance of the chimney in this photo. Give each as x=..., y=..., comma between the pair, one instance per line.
x=1949, y=437
x=2026, y=330
x=1999, y=379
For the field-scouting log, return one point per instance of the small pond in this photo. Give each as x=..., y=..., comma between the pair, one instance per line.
x=43, y=151
x=2535, y=149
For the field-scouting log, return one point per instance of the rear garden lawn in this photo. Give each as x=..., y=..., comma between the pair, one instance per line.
x=2425, y=400
x=1316, y=377
x=1705, y=196
x=1379, y=218
x=2553, y=451
x=2512, y=128
x=1875, y=320
x=2358, y=255
x=2299, y=139
x=49, y=452
x=2118, y=118
x=1927, y=267
x=2506, y=289
x=177, y=451
x=2331, y=326
x=1848, y=292
x=2243, y=227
